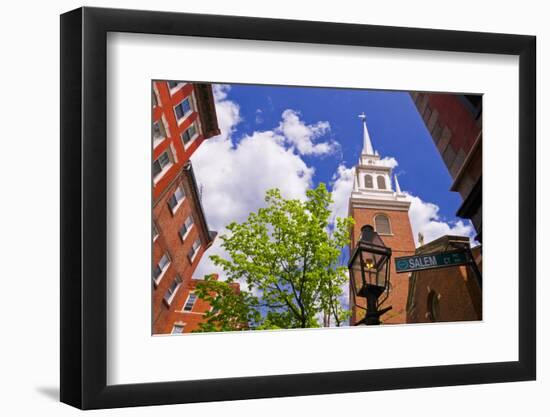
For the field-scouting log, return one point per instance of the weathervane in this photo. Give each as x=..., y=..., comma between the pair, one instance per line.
x=362, y=116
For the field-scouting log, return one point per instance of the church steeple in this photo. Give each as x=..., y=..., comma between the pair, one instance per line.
x=373, y=177
x=378, y=201
x=367, y=144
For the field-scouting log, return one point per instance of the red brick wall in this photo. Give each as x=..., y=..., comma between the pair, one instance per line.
x=452, y=125
x=168, y=225
x=166, y=103
x=402, y=244
x=175, y=315
x=459, y=296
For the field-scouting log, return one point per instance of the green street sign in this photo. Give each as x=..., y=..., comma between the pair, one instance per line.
x=430, y=261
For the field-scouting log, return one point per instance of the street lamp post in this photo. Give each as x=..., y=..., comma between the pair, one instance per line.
x=369, y=269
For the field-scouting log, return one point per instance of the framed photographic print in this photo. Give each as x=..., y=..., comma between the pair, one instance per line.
x=257, y=208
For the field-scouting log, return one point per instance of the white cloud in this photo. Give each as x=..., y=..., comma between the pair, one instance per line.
x=234, y=176
x=425, y=218
x=234, y=179
x=342, y=186
x=302, y=136
x=259, y=118
x=389, y=161
x=227, y=111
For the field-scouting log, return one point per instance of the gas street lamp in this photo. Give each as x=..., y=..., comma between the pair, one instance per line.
x=369, y=269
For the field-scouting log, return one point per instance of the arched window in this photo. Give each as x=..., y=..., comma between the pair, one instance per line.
x=433, y=313
x=368, y=181
x=381, y=181
x=382, y=224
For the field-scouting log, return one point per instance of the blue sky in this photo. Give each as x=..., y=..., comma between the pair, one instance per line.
x=293, y=138
x=394, y=124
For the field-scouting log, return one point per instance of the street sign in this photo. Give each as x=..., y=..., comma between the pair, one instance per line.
x=431, y=261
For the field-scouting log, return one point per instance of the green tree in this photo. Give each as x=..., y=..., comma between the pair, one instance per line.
x=232, y=309
x=289, y=260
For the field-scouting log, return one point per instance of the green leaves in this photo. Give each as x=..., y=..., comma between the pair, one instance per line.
x=288, y=257
x=232, y=309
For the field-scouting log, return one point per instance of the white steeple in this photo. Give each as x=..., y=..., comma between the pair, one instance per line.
x=372, y=185
x=397, y=187
x=367, y=144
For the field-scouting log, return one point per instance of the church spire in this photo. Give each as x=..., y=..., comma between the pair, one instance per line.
x=367, y=144
x=397, y=187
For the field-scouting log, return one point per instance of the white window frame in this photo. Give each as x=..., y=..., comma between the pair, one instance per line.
x=163, y=270
x=166, y=168
x=189, y=113
x=158, y=141
x=365, y=181
x=389, y=224
x=157, y=95
x=183, y=237
x=174, y=90
x=187, y=300
x=179, y=282
x=195, y=250
x=385, y=182
x=178, y=202
x=192, y=139
x=179, y=325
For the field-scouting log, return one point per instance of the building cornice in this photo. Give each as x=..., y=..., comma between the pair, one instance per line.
x=373, y=167
x=375, y=192
x=210, y=235
x=397, y=205
x=206, y=109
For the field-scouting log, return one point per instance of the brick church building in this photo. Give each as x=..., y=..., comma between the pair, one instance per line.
x=376, y=200
x=436, y=295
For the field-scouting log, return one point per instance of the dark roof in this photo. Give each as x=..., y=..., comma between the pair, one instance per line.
x=210, y=234
x=444, y=243
x=207, y=109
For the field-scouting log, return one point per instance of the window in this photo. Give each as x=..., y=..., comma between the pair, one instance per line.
x=189, y=134
x=381, y=182
x=382, y=224
x=159, y=132
x=155, y=232
x=161, y=267
x=186, y=227
x=174, y=84
x=162, y=163
x=178, y=328
x=171, y=291
x=194, y=249
x=190, y=302
x=183, y=109
x=176, y=198
x=368, y=181
x=155, y=101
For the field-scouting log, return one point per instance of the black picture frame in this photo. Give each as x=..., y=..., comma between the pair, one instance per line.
x=84, y=207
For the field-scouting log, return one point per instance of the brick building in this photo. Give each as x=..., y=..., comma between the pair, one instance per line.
x=184, y=115
x=454, y=122
x=375, y=202
x=445, y=294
